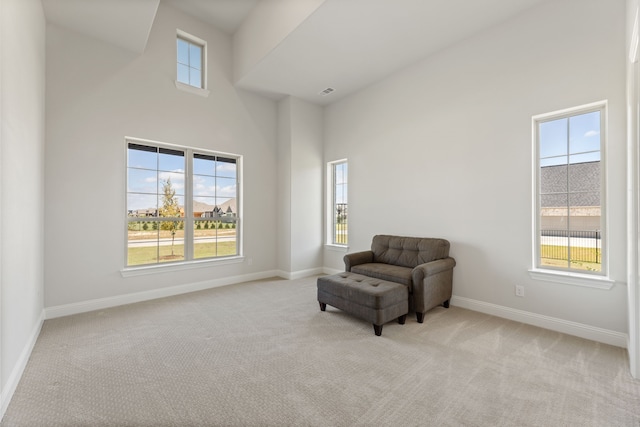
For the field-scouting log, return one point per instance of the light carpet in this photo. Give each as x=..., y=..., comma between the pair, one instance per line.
x=263, y=354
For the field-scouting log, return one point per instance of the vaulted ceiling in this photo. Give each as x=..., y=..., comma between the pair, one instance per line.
x=342, y=44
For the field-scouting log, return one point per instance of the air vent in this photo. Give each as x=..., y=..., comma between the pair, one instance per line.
x=326, y=92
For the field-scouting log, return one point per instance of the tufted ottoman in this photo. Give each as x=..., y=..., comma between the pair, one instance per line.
x=375, y=300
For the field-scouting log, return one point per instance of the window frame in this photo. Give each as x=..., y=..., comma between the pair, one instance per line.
x=189, y=261
x=331, y=204
x=202, y=44
x=598, y=279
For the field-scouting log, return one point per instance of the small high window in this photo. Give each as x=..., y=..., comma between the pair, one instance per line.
x=191, y=54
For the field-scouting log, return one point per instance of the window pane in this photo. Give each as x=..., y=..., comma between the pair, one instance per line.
x=195, y=56
x=226, y=187
x=171, y=242
x=586, y=201
x=142, y=205
x=553, y=179
x=141, y=157
x=584, y=176
x=142, y=181
x=183, y=74
x=142, y=246
x=227, y=207
x=174, y=181
x=585, y=132
x=195, y=77
x=226, y=168
x=204, y=185
x=172, y=207
x=204, y=165
x=183, y=52
x=553, y=138
x=205, y=238
x=205, y=207
x=171, y=160
x=554, y=248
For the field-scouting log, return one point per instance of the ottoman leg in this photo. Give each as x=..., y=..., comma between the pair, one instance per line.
x=377, y=329
x=420, y=317
x=323, y=306
x=402, y=318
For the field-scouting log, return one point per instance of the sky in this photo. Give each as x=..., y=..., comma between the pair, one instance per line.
x=214, y=182
x=570, y=140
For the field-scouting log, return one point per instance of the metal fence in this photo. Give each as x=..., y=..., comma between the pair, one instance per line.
x=580, y=245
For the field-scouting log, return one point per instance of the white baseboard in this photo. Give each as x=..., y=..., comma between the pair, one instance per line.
x=327, y=270
x=14, y=378
x=581, y=330
x=102, y=303
x=292, y=275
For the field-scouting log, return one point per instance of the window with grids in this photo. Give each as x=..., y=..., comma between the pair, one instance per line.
x=338, y=224
x=190, y=59
x=569, y=181
x=182, y=204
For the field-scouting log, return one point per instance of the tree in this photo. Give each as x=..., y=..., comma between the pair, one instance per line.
x=170, y=208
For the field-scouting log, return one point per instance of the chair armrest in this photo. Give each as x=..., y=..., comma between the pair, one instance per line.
x=427, y=269
x=356, y=258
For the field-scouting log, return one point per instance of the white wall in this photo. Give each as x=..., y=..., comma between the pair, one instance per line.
x=22, y=83
x=443, y=149
x=96, y=95
x=268, y=23
x=299, y=187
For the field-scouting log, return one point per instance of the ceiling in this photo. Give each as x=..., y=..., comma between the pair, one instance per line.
x=344, y=44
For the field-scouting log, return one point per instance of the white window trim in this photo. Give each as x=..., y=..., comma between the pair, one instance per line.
x=202, y=91
x=137, y=270
x=329, y=244
x=192, y=89
x=179, y=266
x=600, y=280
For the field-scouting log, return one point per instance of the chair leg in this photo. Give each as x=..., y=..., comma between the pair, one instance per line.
x=402, y=318
x=377, y=329
x=323, y=306
x=420, y=317
x=446, y=304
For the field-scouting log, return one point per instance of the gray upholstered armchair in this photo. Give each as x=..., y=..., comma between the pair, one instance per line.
x=422, y=264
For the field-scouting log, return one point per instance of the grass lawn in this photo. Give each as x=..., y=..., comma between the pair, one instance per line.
x=549, y=257
x=149, y=254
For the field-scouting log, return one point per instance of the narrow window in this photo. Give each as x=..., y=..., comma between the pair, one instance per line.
x=569, y=181
x=182, y=204
x=190, y=58
x=338, y=183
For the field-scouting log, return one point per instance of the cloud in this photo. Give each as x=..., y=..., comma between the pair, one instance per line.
x=592, y=133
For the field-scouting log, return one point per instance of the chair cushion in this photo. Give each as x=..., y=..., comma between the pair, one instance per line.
x=408, y=251
x=392, y=273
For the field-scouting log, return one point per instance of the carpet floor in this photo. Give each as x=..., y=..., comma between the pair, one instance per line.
x=263, y=354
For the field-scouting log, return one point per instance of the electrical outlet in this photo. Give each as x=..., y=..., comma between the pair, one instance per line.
x=519, y=290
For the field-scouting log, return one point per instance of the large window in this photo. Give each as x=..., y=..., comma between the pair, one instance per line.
x=182, y=204
x=338, y=202
x=190, y=60
x=569, y=185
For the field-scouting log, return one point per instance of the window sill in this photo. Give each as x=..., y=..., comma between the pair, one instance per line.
x=336, y=248
x=178, y=266
x=193, y=89
x=577, y=279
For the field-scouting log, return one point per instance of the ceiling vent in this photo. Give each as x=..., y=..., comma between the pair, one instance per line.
x=326, y=92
